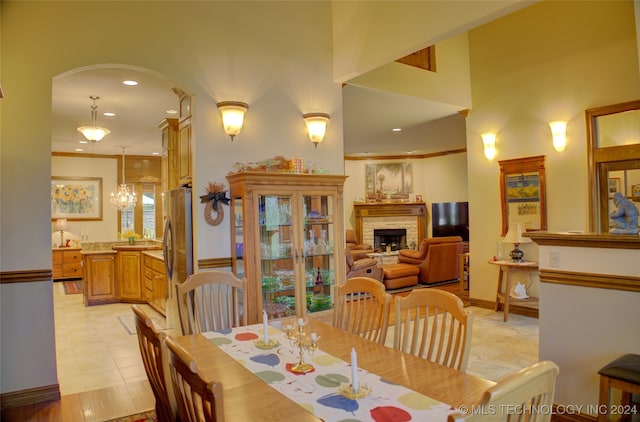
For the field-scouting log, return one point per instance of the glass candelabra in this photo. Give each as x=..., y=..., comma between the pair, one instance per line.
x=298, y=338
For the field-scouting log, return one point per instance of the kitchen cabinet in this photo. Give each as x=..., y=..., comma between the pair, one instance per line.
x=287, y=235
x=130, y=284
x=98, y=273
x=169, y=160
x=155, y=282
x=67, y=263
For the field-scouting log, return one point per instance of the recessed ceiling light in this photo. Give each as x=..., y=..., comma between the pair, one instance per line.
x=130, y=83
x=110, y=114
x=79, y=149
x=172, y=111
x=397, y=129
x=409, y=152
x=84, y=142
x=155, y=153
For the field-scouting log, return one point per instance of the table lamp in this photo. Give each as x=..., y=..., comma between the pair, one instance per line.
x=61, y=224
x=514, y=235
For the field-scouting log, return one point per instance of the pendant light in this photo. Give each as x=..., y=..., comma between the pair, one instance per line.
x=123, y=198
x=94, y=133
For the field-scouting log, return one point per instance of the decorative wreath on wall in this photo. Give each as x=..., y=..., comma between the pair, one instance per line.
x=215, y=197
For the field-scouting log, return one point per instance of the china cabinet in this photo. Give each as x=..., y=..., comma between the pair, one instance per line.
x=287, y=235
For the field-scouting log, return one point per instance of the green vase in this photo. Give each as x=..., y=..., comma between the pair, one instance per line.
x=132, y=240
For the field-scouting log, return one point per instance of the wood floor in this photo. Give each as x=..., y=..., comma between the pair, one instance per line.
x=110, y=403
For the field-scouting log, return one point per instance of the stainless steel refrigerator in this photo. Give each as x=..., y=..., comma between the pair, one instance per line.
x=177, y=246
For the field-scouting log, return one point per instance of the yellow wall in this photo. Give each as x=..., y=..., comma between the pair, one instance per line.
x=550, y=61
x=213, y=50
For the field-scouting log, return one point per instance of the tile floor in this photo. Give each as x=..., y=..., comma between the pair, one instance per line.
x=95, y=350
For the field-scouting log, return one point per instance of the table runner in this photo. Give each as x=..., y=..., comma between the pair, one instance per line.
x=317, y=391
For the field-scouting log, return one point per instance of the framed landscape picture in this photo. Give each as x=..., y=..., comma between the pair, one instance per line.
x=76, y=198
x=388, y=181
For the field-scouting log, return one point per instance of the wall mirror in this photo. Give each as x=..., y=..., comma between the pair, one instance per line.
x=523, y=193
x=613, y=143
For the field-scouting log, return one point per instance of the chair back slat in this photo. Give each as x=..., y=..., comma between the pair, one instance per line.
x=526, y=395
x=433, y=324
x=362, y=308
x=155, y=360
x=211, y=301
x=199, y=400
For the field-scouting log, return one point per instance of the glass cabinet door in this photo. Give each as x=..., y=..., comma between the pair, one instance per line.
x=277, y=266
x=319, y=262
x=238, y=237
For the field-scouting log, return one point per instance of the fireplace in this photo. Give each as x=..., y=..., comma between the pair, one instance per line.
x=396, y=238
x=411, y=217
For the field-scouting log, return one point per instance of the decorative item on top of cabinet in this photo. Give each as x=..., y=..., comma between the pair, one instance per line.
x=284, y=227
x=67, y=263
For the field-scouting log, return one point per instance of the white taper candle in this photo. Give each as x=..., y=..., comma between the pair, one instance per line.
x=354, y=370
x=265, y=326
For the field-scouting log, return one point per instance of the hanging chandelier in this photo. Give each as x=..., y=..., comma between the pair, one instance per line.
x=125, y=196
x=94, y=133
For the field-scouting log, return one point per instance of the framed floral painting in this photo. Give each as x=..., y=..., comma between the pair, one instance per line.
x=76, y=198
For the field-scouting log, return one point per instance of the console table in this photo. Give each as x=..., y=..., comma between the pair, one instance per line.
x=507, y=268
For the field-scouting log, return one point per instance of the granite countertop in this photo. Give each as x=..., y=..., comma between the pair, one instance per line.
x=155, y=253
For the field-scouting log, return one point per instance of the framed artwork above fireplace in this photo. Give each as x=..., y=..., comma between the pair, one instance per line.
x=388, y=181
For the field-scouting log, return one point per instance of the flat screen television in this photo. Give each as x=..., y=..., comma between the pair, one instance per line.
x=450, y=219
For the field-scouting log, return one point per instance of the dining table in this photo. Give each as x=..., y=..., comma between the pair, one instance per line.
x=247, y=397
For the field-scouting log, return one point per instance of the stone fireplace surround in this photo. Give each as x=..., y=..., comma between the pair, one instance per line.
x=411, y=216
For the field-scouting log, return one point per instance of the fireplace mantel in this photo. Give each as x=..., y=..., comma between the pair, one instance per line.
x=364, y=210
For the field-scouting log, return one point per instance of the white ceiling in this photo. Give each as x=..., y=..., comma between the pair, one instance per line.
x=369, y=116
x=138, y=111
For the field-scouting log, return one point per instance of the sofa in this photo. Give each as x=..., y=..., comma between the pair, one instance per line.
x=438, y=258
x=358, y=250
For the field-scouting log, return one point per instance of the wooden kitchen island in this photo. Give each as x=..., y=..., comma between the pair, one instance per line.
x=120, y=272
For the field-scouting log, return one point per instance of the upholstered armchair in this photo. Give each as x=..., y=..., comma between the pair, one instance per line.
x=358, y=250
x=364, y=267
x=438, y=258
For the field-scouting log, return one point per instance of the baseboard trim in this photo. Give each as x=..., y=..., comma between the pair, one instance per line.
x=513, y=309
x=30, y=396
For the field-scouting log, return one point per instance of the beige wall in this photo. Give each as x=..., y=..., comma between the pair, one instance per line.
x=368, y=34
x=107, y=170
x=438, y=179
x=280, y=76
x=558, y=59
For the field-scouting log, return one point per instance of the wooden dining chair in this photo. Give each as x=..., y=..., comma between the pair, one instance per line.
x=362, y=308
x=526, y=395
x=199, y=400
x=434, y=325
x=155, y=359
x=211, y=301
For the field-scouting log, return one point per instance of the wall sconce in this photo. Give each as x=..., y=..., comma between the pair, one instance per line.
x=316, y=126
x=232, y=116
x=559, y=132
x=489, y=142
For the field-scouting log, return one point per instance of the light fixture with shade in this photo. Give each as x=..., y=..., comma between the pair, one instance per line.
x=316, y=126
x=61, y=224
x=94, y=133
x=232, y=116
x=489, y=142
x=559, y=132
x=514, y=235
x=125, y=196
